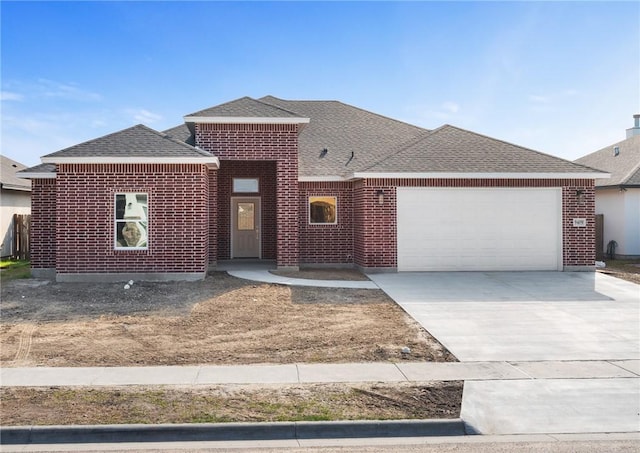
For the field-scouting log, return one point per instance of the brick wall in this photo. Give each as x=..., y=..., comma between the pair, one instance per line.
x=265, y=171
x=375, y=225
x=263, y=142
x=579, y=242
x=326, y=244
x=43, y=224
x=178, y=198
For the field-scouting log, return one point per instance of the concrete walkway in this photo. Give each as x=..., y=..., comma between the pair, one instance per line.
x=267, y=277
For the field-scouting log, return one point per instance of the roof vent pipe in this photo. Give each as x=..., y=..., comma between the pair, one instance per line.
x=635, y=130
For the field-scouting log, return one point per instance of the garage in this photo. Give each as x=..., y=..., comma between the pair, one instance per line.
x=479, y=229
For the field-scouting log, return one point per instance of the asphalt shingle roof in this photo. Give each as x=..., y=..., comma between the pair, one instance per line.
x=353, y=137
x=450, y=149
x=624, y=168
x=136, y=141
x=248, y=108
x=8, y=178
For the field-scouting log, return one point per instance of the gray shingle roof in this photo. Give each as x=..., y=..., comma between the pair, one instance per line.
x=450, y=149
x=8, y=178
x=342, y=129
x=137, y=141
x=246, y=107
x=181, y=133
x=42, y=170
x=624, y=168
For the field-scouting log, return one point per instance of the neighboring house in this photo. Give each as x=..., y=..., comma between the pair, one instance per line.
x=305, y=183
x=618, y=198
x=15, y=198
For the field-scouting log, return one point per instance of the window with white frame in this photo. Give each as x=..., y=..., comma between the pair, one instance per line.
x=323, y=210
x=131, y=221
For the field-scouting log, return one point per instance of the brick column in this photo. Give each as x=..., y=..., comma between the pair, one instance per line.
x=287, y=218
x=43, y=226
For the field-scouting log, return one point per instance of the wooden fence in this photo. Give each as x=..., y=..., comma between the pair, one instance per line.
x=21, y=229
x=599, y=237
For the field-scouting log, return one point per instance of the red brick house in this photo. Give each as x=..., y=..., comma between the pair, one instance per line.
x=305, y=183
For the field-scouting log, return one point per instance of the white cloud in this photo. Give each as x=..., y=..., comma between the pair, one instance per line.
x=10, y=96
x=53, y=89
x=143, y=115
x=538, y=99
x=451, y=107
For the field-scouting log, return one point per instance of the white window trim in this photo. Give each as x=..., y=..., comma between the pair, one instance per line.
x=116, y=220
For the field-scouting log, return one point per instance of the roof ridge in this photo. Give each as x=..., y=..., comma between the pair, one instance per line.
x=176, y=141
x=277, y=107
x=519, y=146
x=90, y=141
x=404, y=145
x=630, y=174
x=351, y=106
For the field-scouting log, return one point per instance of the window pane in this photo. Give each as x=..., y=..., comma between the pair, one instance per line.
x=131, y=220
x=246, y=217
x=245, y=185
x=322, y=209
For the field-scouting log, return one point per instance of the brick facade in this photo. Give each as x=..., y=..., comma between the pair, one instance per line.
x=375, y=227
x=178, y=216
x=265, y=171
x=43, y=224
x=326, y=244
x=261, y=142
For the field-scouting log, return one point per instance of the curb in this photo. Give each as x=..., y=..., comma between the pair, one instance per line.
x=20, y=435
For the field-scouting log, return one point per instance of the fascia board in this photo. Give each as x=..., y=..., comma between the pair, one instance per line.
x=26, y=175
x=443, y=175
x=244, y=120
x=210, y=161
x=321, y=179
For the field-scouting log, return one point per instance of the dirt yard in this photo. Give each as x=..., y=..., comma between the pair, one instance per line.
x=93, y=406
x=625, y=269
x=221, y=320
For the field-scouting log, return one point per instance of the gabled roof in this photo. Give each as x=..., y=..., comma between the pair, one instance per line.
x=450, y=149
x=353, y=137
x=624, y=167
x=41, y=171
x=8, y=175
x=135, y=144
x=245, y=110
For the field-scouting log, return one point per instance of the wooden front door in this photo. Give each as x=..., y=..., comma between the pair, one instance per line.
x=245, y=227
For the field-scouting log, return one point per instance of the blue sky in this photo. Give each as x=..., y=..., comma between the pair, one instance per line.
x=559, y=77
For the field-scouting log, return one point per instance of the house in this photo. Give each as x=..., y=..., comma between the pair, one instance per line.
x=618, y=198
x=15, y=198
x=305, y=183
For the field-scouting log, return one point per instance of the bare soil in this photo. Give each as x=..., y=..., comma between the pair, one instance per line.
x=220, y=320
x=93, y=406
x=625, y=269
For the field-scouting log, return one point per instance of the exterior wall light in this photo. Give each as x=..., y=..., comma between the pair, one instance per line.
x=580, y=196
x=380, y=194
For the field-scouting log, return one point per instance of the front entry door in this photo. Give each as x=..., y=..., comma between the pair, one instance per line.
x=245, y=227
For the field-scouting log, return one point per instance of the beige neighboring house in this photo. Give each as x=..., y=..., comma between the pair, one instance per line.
x=15, y=198
x=618, y=198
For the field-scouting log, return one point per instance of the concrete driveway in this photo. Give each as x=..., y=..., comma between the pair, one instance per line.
x=522, y=316
x=552, y=324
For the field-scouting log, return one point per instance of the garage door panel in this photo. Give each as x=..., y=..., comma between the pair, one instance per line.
x=479, y=229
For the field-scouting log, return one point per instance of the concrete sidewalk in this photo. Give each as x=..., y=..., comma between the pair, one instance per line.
x=319, y=373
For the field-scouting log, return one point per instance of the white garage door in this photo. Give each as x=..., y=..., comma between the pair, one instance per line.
x=451, y=229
